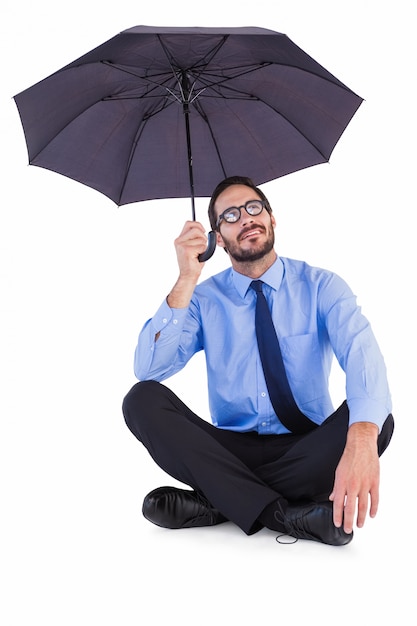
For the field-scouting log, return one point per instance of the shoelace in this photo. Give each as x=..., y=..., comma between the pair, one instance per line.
x=288, y=541
x=295, y=530
x=280, y=518
x=203, y=503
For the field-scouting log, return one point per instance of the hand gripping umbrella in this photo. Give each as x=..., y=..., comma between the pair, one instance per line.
x=169, y=112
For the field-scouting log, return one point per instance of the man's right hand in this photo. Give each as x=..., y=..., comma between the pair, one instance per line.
x=191, y=242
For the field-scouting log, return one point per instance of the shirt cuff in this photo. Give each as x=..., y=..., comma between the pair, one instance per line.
x=167, y=318
x=367, y=410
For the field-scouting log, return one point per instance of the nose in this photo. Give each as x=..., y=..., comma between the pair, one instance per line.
x=245, y=219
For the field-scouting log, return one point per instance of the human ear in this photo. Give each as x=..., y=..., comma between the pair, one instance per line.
x=219, y=240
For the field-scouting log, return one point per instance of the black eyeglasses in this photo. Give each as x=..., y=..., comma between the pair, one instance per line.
x=233, y=213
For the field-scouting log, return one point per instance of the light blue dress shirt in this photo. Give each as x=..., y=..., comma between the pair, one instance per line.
x=316, y=317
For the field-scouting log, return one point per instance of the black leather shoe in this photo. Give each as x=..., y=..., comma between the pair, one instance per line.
x=313, y=520
x=170, y=507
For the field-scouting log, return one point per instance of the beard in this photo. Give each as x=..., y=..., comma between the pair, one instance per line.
x=255, y=252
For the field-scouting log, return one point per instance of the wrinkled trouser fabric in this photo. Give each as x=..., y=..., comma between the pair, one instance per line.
x=239, y=473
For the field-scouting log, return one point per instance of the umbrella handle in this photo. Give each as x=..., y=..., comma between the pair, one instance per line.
x=211, y=246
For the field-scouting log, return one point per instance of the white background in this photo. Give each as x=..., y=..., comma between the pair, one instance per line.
x=76, y=277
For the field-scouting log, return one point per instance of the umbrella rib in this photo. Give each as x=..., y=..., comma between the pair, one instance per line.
x=162, y=104
x=279, y=113
x=154, y=82
x=135, y=142
x=241, y=95
x=138, y=134
x=203, y=115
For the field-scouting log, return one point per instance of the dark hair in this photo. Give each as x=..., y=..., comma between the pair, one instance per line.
x=224, y=184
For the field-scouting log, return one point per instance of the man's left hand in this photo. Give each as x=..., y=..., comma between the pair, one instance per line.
x=357, y=477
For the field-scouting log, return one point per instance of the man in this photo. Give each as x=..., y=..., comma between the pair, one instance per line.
x=252, y=465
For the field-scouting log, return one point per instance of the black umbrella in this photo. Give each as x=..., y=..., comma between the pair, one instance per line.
x=169, y=112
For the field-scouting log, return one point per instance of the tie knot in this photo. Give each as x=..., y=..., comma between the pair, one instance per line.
x=256, y=285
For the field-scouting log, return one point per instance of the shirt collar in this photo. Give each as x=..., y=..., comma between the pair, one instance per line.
x=272, y=277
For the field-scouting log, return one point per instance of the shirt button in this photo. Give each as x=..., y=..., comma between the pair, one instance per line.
x=164, y=320
x=263, y=423
x=263, y=394
x=175, y=321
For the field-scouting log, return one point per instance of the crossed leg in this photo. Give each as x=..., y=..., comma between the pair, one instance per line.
x=239, y=473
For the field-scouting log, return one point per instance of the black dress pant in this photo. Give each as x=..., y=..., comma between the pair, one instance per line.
x=239, y=473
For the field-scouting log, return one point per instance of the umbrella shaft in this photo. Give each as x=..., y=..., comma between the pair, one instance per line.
x=190, y=156
x=185, y=106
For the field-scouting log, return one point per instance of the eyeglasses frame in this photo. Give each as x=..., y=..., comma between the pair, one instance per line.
x=242, y=206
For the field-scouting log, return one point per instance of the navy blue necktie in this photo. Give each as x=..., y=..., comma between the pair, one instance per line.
x=274, y=371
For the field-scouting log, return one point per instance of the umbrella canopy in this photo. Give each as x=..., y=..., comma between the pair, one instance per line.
x=169, y=112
